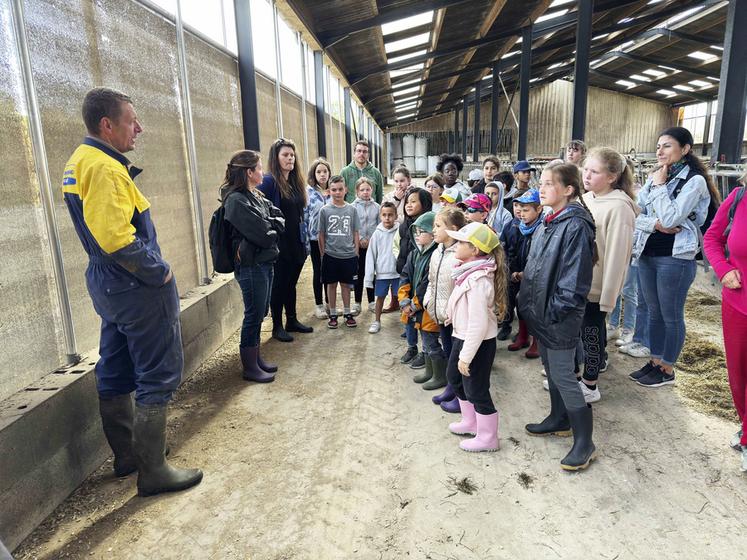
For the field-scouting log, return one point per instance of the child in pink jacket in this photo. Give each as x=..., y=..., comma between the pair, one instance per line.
x=479, y=294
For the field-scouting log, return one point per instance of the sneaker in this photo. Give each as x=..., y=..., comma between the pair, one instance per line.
x=332, y=323
x=657, y=377
x=320, y=312
x=590, y=396
x=736, y=440
x=418, y=362
x=639, y=351
x=409, y=356
x=504, y=333
x=643, y=372
x=612, y=332
x=349, y=321
x=372, y=307
x=544, y=373
x=545, y=385
x=744, y=459
x=375, y=327
x=355, y=309
x=605, y=364
x=626, y=337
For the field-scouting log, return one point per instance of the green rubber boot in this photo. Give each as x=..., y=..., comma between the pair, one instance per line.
x=427, y=372
x=438, y=365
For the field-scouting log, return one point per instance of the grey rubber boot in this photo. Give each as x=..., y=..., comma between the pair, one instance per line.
x=439, y=375
x=117, y=420
x=155, y=475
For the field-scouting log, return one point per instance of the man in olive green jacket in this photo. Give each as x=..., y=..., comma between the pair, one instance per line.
x=361, y=167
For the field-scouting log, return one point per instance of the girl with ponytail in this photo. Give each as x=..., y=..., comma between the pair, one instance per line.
x=608, y=180
x=674, y=204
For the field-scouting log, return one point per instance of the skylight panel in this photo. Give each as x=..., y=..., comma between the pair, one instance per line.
x=405, y=108
x=717, y=47
x=408, y=70
x=640, y=78
x=682, y=16
x=654, y=72
x=626, y=83
x=700, y=83
x=551, y=16
x=557, y=3
x=556, y=65
x=406, y=91
x=408, y=82
x=684, y=88
x=421, y=39
x=406, y=56
x=602, y=36
x=407, y=116
x=667, y=92
x=700, y=55
x=509, y=54
x=406, y=23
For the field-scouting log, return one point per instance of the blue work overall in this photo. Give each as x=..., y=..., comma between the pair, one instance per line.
x=140, y=348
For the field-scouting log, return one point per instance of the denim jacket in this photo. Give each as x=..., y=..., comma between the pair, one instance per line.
x=657, y=204
x=311, y=212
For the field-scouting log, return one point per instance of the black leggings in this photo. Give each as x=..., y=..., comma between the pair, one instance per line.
x=284, y=291
x=316, y=279
x=476, y=387
x=512, y=291
x=359, y=282
x=594, y=338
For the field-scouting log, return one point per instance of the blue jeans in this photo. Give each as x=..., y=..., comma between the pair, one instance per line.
x=640, y=335
x=665, y=282
x=412, y=333
x=256, y=284
x=431, y=345
x=446, y=339
x=630, y=295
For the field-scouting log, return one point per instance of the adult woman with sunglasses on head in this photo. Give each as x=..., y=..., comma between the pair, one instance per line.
x=284, y=186
x=674, y=205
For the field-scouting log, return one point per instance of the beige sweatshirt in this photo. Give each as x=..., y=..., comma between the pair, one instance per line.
x=614, y=216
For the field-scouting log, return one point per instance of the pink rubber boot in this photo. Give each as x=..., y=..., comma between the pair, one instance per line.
x=487, y=434
x=468, y=423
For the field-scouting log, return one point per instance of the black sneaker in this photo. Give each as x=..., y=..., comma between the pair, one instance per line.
x=418, y=361
x=657, y=377
x=504, y=333
x=639, y=373
x=332, y=323
x=409, y=356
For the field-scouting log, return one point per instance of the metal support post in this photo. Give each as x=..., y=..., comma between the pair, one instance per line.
x=247, y=76
x=278, y=70
x=476, y=127
x=465, y=106
x=348, y=115
x=494, y=96
x=202, y=261
x=581, y=74
x=526, y=74
x=321, y=122
x=41, y=166
x=304, y=95
x=732, y=91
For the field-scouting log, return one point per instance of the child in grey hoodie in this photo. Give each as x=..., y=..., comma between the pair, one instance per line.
x=381, y=264
x=368, y=215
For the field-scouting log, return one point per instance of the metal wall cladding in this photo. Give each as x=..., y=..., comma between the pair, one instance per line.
x=621, y=121
x=28, y=304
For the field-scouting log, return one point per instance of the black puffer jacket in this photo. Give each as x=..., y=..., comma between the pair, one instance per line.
x=256, y=224
x=557, y=278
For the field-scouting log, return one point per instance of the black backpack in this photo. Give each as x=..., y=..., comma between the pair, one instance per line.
x=712, y=209
x=221, y=247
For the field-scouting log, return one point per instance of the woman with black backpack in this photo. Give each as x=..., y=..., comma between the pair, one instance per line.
x=674, y=204
x=255, y=226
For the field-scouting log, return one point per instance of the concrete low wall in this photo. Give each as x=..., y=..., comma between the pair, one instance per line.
x=50, y=433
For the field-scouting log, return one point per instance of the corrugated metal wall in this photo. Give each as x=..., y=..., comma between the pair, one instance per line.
x=621, y=121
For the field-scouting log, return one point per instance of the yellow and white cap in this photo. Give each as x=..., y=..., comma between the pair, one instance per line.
x=480, y=235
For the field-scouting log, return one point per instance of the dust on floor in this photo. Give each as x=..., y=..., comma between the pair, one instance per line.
x=344, y=457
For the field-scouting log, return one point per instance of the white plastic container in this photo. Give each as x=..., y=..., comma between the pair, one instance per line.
x=408, y=146
x=432, y=162
x=421, y=164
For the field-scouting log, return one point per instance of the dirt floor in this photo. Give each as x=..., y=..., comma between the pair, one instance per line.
x=344, y=457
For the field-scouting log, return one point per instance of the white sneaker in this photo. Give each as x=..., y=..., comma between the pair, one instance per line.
x=375, y=327
x=744, y=458
x=638, y=351
x=372, y=307
x=589, y=395
x=612, y=332
x=544, y=373
x=320, y=312
x=626, y=337
x=355, y=309
x=545, y=385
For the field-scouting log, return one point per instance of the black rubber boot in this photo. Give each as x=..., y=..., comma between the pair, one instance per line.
x=292, y=325
x=583, y=451
x=266, y=366
x=117, y=419
x=439, y=375
x=251, y=370
x=505, y=331
x=557, y=423
x=155, y=475
x=427, y=373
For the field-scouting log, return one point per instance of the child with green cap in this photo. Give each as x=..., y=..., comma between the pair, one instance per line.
x=413, y=283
